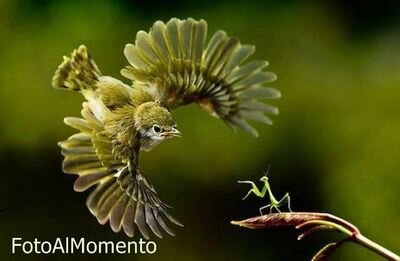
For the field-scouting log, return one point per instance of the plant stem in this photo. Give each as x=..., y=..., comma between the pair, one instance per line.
x=371, y=245
x=312, y=221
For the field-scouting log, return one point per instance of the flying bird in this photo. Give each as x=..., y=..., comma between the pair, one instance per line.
x=169, y=66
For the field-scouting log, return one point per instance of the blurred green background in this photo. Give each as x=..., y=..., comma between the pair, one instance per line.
x=335, y=145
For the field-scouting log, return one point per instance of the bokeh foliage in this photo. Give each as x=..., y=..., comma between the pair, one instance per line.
x=334, y=147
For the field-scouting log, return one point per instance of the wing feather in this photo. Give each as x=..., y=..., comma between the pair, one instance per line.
x=127, y=219
x=117, y=213
x=123, y=195
x=175, y=59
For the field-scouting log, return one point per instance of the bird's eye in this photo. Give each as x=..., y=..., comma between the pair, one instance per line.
x=156, y=128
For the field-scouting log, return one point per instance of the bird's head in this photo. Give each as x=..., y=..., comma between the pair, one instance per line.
x=155, y=124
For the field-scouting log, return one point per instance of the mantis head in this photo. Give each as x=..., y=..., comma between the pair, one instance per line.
x=264, y=179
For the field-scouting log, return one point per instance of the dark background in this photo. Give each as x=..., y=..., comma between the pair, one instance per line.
x=335, y=145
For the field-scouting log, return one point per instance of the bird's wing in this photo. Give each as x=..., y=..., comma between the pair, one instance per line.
x=123, y=195
x=174, y=62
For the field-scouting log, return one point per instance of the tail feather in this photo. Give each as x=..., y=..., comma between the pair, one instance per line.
x=78, y=72
x=123, y=197
x=110, y=202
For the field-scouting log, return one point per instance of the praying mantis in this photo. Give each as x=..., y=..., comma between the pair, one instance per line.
x=274, y=203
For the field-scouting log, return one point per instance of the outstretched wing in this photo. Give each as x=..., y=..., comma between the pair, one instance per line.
x=177, y=67
x=123, y=195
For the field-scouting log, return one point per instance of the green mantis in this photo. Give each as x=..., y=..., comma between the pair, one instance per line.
x=274, y=203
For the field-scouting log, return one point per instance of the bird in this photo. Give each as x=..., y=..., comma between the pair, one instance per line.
x=170, y=66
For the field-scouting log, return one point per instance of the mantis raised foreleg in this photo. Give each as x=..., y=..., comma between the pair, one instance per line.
x=274, y=203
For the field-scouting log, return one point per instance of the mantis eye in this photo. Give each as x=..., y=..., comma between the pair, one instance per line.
x=156, y=129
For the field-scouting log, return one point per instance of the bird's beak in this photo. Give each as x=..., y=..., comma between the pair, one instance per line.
x=172, y=133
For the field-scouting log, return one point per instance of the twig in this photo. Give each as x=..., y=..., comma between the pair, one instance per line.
x=312, y=222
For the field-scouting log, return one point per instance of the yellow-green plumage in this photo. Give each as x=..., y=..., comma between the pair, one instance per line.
x=170, y=66
x=174, y=58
